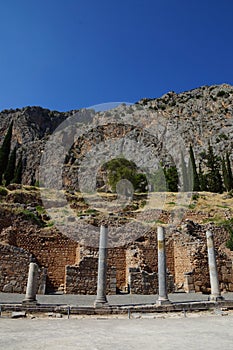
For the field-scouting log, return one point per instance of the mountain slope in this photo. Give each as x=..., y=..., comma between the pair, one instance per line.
x=167, y=125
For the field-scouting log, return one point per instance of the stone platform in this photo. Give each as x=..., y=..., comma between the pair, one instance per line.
x=117, y=304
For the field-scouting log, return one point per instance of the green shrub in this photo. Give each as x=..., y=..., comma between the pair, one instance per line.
x=50, y=224
x=229, y=243
x=3, y=191
x=228, y=224
x=28, y=215
x=195, y=196
x=40, y=209
x=221, y=93
x=121, y=168
x=223, y=137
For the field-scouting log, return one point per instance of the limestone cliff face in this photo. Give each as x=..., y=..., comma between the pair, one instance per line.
x=164, y=125
x=200, y=115
x=31, y=128
x=157, y=130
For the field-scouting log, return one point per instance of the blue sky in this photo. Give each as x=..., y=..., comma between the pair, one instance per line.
x=77, y=53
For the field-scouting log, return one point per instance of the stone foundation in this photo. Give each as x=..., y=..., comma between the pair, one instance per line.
x=82, y=279
x=14, y=270
x=73, y=268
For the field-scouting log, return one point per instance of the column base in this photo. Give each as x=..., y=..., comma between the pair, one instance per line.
x=160, y=302
x=213, y=297
x=30, y=302
x=101, y=303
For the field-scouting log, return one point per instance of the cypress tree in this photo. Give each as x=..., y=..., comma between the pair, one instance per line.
x=225, y=174
x=18, y=172
x=158, y=180
x=172, y=178
x=195, y=177
x=214, y=179
x=185, y=177
x=10, y=170
x=5, y=151
x=202, y=179
x=229, y=171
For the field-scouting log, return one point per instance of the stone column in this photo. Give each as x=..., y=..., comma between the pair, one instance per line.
x=213, y=271
x=32, y=284
x=162, y=269
x=101, y=299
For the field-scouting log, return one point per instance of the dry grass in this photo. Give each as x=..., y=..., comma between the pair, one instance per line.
x=201, y=207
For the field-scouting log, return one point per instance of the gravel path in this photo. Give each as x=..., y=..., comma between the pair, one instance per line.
x=199, y=333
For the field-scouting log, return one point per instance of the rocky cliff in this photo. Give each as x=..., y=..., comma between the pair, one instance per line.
x=31, y=128
x=161, y=127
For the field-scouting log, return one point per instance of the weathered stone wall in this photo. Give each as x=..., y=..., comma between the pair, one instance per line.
x=185, y=249
x=13, y=269
x=142, y=282
x=116, y=258
x=182, y=260
x=226, y=276
x=82, y=279
x=53, y=252
x=201, y=271
x=144, y=255
x=191, y=257
x=186, y=253
x=170, y=258
x=5, y=219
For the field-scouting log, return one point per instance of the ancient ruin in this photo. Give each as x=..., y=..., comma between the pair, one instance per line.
x=56, y=228
x=72, y=268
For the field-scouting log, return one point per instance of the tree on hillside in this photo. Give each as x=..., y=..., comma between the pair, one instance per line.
x=158, y=179
x=185, y=177
x=195, y=177
x=10, y=170
x=229, y=171
x=214, y=179
x=224, y=174
x=5, y=151
x=172, y=178
x=18, y=172
x=121, y=168
x=202, y=179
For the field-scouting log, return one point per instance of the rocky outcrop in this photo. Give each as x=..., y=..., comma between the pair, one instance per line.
x=162, y=127
x=31, y=128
